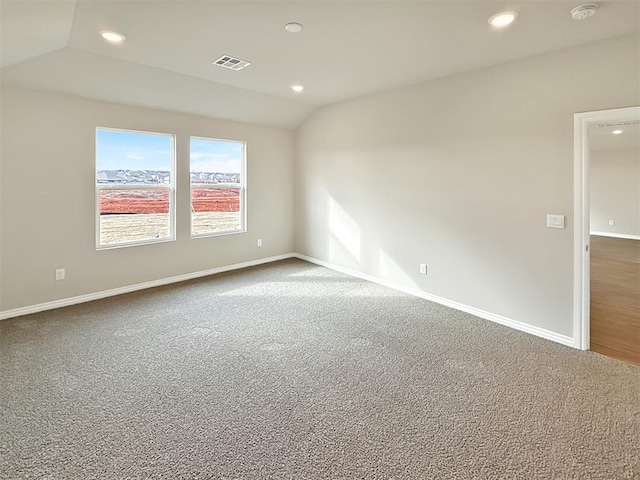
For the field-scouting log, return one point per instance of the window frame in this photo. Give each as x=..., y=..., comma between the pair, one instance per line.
x=217, y=186
x=171, y=187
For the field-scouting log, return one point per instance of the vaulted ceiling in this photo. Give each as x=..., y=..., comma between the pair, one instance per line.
x=347, y=49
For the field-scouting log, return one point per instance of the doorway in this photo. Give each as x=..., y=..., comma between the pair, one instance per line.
x=607, y=233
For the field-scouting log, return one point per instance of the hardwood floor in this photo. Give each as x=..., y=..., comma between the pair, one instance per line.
x=615, y=298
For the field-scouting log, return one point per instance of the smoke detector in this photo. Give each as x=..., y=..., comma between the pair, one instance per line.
x=584, y=11
x=228, y=61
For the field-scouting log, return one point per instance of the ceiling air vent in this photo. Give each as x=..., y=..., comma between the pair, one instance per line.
x=227, y=61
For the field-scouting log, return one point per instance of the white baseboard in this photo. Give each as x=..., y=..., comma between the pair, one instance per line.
x=616, y=235
x=65, y=302
x=523, y=327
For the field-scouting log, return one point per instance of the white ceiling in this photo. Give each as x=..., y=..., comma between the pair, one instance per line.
x=347, y=48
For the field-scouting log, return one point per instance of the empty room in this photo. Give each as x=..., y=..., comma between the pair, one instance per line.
x=319, y=239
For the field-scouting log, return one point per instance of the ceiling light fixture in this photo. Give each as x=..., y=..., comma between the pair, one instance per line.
x=502, y=19
x=111, y=36
x=297, y=88
x=617, y=132
x=584, y=11
x=293, y=27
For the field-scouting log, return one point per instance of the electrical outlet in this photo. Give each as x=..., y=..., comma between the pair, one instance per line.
x=612, y=222
x=259, y=242
x=60, y=273
x=423, y=268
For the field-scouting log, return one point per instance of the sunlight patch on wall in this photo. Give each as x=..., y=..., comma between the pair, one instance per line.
x=345, y=233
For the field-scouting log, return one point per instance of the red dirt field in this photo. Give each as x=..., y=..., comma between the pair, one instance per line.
x=148, y=201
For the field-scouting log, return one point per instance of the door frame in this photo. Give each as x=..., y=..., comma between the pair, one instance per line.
x=581, y=231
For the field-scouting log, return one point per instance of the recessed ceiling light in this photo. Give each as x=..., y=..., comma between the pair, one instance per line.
x=111, y=36
x=293, y=27
x=503, y=19
x=297, y=88
x=617, y=132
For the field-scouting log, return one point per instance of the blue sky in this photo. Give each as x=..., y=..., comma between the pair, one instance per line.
x=215, y=156
x=117, y=149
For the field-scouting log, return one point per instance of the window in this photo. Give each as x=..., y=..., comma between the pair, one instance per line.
x=217, y=186
x=135, y=194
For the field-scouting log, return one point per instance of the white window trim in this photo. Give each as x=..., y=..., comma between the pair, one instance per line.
x=171, y=187
x=222, y=186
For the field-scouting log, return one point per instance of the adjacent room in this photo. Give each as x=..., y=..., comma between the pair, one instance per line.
x=319, y=239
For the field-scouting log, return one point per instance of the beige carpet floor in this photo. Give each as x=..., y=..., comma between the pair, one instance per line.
x=293, y=371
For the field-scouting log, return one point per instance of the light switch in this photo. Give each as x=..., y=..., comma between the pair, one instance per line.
x=555, y=221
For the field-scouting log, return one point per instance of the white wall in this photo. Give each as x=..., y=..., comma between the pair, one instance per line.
x=459, y=173
x=47, y=198
x=615, y=191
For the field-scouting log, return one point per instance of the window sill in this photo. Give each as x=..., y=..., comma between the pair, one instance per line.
x=217, y=234
x=134, y=244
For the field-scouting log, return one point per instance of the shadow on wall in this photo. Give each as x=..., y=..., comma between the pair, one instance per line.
x=389, y=269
